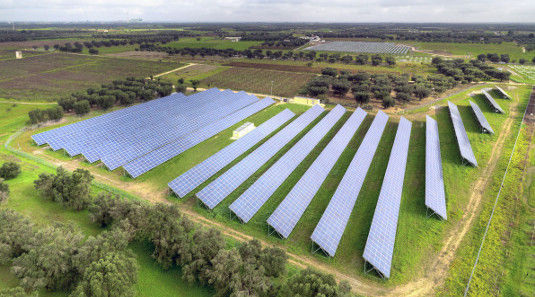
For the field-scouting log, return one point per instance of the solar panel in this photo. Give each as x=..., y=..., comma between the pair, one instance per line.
x=492, y=102
x=248, y=204
x=503, y=92
x=173, y=149
x=155, y=137
x=332, y=224
x=435, y=197
x=216, y=191
x=288, y=213
x=462, y=139
x=379, y=247
x=194, y=177
x=485, y=126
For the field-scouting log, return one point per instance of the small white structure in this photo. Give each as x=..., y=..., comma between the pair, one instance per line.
x=242, y=130
x=18, y=55
x=233, y=38
x=305, y=101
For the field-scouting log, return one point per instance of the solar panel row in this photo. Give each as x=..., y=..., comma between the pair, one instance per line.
x=288, y=213
x=435, y=197
x=225, y=184
x=485, y=126
x=379, y=247
x=462, y=139
x=503, y=92
x=248, y=204
x=194, y=177
x=492, y=102
x=332, y=224
x=173, y=149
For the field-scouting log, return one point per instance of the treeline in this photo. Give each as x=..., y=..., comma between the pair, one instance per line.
x=25, y=35
x=119, y=92
x=273, y=40
x=58, y=258
x=464, y=72
x=388, y=88
x=361, y=59
x=493, y=57
x=77, y=47
x=9, y=170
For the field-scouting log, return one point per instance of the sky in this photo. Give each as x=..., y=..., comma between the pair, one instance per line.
x=353, y=11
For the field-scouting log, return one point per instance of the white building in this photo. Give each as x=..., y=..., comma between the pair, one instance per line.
x=18, y=55
x=242, y=130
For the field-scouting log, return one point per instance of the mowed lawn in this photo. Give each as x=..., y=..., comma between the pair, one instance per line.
x=211, y=42
x=418, y=238
x=280, y=83
x=51, y=76
x=152, y=279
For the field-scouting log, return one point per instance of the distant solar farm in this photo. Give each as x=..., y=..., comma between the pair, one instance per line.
x=361, y=47
x=144, y=136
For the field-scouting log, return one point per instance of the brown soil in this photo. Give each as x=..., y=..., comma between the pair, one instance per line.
x=145, y=55
x=279, y=67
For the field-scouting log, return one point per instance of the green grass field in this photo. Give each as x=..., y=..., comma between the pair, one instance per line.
x=523, y=73
x=52, y=76
x=153, y=280
x=474, y=49
x=210, y=42
x=198, y=72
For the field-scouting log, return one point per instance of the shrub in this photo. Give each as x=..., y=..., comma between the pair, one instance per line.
x=9, y=170
x=71, y=189
x=37, y=116
x=180, y=88
x=388, y=102
x=55, y=113
x=4, y=191
x=82, y=107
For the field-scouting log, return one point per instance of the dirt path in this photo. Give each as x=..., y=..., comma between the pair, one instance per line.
x=435, y=273
x=171, y=71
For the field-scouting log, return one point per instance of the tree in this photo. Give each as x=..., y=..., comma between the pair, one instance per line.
x=361, y=59
x=54, y=113
x=274, y=261
x=48, y=263
x=46, y=47
x=421, y=91
x=195, y=83
x=113, y=275
x=390, y=60
x=388, y=101
x=67, y=103
x=16, y=292
x=16, y=235
x=482, y=57
x=310, y=283
x=101, y=209
x=196, y=259
x=329, y=72
x=505, y=58
x=70, y=189
x=181, y=81
x=340, y=87
x=9, y=170
x=93, y=51
x=4, y=191
x=81, y=107
x=362, y=97
x=37, y=116
x=522, y=61
x=437, y=60
x=180, y=88
x=402, y=96
x=533, y=60
x=377, y=60
x=106, y=101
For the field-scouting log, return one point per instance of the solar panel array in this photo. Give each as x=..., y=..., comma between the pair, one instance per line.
x=216, y=191
x=141, y=142
x=290, y=210
x=175, y=148
x=481, y=118
x=462, y=138
x=379, y=247
x=492, y=102
x=194, y=177
x=248, y=204
x=361, y=47
x=503, y=92
x=332, y=224
x=435, y=196
x=153, y=131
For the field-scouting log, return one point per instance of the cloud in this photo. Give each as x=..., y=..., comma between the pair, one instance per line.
x=269, y=10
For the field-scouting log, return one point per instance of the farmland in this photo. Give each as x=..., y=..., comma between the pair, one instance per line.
x=214, y=43
x=52, y=76
x=259, y=81
x=473, y=49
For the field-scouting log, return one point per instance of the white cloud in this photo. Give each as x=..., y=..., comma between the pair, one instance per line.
x=270, y=10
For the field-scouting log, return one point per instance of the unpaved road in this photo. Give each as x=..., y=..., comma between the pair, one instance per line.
x=435, y=272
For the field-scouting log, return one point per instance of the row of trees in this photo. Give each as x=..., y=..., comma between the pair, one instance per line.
x=492, y=57
x=245, y=270
x=9, y=170
x=464, y=72
x=386, y=88
x=37, y=115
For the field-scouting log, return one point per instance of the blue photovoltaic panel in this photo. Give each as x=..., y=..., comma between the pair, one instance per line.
x=248, y=204
x=288, y=213
x=194, y=177
x=156, y=137
x=380, y=244
x=118, y=151
x=435, y=197
x=332, y=224
x=492, y=102
x=462, y=139
x=503, y=92
x=168, y=151
x=225, y=184
x=481, y=118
